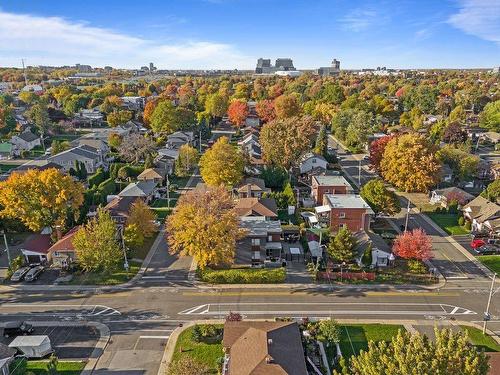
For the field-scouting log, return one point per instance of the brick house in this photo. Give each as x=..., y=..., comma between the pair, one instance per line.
x=62, y=253
x=322, y=185
x=345, y=211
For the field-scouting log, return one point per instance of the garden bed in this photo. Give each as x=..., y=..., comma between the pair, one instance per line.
x=243, y=276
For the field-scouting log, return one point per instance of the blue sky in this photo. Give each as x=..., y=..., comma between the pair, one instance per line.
x=234, y=33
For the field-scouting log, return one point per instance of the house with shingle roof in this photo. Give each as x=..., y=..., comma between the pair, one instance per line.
x=258, y=348
x=89, y=156
x=25, y=141
x=141, y=189
x=156, y=175
x=36, y=248
x=483, y=215
x=119, y=209
x=252, y=187
x=256, y=208
x=62, y=253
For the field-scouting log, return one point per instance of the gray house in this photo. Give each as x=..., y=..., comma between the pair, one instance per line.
x=89, y=156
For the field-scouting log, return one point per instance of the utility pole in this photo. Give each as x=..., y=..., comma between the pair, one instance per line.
x=125, y=261
x=199, y=141
x=407, y=214
x=168, y=192
x=487, y=312
x=359, y=174
x=6, y=245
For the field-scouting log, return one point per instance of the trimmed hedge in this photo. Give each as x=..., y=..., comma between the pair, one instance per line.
x=97, y=178
x=243, y=276
x=107, y=187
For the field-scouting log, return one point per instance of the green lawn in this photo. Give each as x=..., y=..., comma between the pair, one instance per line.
x=115, y=278
x=162, y=203
x=481, y=341
x=162, y=212
x=7, y=167
x=142, y=251
x=179, y=181
x=21, y=367
x=200, y=351
x=491, y=261
x=448, y=222
x=355, y=337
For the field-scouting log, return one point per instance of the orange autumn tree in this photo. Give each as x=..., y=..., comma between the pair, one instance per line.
x=40, y=198
x=205, y=226
x=237, y=112
x=415, y=244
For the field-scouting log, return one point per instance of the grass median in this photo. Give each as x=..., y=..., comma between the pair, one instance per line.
x=100, y=278
x=22, y=367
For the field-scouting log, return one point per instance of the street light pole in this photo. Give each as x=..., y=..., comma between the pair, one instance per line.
x=407, y=215
x=168, y=192
x=359, y=174
x=487, y=312
x=125, y=261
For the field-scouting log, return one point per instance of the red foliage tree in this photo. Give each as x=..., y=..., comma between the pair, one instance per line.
x=377, y=149
x=148, y=110
x=265, y=110
x=415, y=244
x=237, y=112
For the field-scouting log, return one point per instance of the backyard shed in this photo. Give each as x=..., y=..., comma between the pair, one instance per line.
x=32, y=346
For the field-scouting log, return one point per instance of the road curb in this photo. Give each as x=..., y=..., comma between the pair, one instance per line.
x=406, y=323
x=102, y=342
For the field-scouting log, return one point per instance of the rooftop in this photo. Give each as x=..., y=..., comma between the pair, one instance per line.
x=331, y=181
x=347, y=201
x=260, y=227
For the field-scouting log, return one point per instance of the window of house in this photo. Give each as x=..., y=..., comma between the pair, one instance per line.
x=269, y=238
x=255, y=241
x=342, y=225
x=313, y=161
x=342, y=215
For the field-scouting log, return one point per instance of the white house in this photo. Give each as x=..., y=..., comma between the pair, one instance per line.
x=311, y=161
x=89, y=156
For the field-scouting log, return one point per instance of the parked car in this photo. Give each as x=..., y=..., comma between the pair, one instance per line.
x=20, y=274
x=33, y=273
x=476, y=243
x=17, y=328
x=487, y=250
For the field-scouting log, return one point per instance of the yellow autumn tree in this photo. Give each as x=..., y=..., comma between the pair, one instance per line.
x=40, y=198
x=205, y=225
x=142, y=217
x=222, y=164
x=410, y=163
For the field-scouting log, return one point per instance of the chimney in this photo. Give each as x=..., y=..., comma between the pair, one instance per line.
x=58, y=232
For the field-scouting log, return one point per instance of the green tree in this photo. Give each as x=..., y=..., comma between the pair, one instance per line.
x=186, y=161
x=133, y=236
x=274, y=177
x=96, y=246
x=414, y=354
x=490, y=116
x=216, y=105
x=52, y=365
x=342, y=246
x=39, y=116
x=329, y=330
x=59, y=146
x=492, y=191
x=222, y=164
x=321, y=146
x=380, y=198
x=166, y=118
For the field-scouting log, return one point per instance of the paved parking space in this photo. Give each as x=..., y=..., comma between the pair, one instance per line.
x=75, y=343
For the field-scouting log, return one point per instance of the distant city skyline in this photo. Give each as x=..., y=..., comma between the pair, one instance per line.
x=233, y=34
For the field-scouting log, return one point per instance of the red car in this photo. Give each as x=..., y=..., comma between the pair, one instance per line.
x=477, y=243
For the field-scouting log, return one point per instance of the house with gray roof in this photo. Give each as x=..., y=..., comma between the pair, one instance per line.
x=26, y=141
x=89, y=156
x=142, y=189
x=483, y=214
x=262, y=242
x=345, y=211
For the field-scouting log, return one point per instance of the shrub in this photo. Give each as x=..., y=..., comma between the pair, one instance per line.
x=416, y=266
x=367, y=256
x=234, y=317
x=107, y=187
x=461, y=221
x=468, y=225
x=243, y=276
x=97, y=178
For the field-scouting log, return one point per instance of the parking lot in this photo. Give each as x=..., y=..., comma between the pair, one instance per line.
x=75, y=343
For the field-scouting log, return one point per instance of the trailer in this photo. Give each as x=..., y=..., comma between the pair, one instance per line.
x=32, y=346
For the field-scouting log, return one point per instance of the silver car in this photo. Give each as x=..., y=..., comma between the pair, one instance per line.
x=19, y=274
x=33, y=273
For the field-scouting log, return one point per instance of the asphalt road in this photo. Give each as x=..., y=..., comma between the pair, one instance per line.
x=142, y=317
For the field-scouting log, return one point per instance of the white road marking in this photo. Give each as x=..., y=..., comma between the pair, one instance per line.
x=224, y=308
x=154, y=337
x=153, y=277
x=85, y=310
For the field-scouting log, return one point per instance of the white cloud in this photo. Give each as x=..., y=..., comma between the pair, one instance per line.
x=361, y=19
x=480, y=18
x=57, y=41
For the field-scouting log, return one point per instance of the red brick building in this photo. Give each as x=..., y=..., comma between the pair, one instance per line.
x=322, y=185
x=345, y=210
